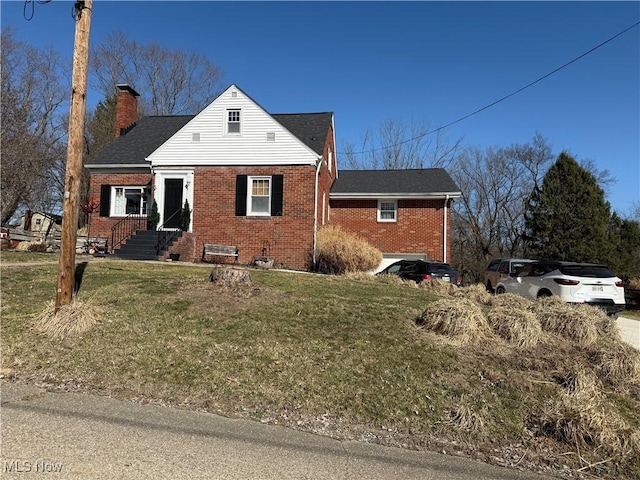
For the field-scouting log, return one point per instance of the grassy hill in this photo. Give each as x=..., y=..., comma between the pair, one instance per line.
x=539, y=386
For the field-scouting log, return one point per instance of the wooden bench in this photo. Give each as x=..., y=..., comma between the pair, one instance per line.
x=97, y=245
x=220, y=250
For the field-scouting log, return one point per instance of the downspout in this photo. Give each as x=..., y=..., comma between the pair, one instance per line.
x=315, y=211
x=444, y=243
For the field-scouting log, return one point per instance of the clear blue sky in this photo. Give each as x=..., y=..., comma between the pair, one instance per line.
x=432, y=61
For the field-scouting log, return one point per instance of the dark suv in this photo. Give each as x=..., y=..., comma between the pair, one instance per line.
x=421, y=270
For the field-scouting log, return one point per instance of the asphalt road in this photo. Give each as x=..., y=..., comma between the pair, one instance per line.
x=80, y=436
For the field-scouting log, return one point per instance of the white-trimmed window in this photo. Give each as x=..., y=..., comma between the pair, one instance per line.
x=387, y=211
x=233, y=121
x=129, y=200
x=259, y=196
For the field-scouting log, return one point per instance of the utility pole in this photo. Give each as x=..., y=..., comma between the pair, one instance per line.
x=70, y=202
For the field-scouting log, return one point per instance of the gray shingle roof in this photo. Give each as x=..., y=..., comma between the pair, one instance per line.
x=151, y=132
x=310, y=128
x=413, y=182
x=141, y=141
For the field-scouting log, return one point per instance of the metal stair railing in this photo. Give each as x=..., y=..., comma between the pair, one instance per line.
x=167, y=236
x=125, y=228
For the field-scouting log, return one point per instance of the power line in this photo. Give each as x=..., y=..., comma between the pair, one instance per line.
x=501, y=99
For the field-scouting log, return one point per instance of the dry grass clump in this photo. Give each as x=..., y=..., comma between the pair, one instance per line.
x=439, y=287
x=71, y=320
x=515, y=325
x=476, y=293
x=620, y=366
x=339, y=252
x=580, y=416
x=392, y=279
x=577, y=323
x=458, y=318
x=511, y=300
x=466, y=418
x=634, y=283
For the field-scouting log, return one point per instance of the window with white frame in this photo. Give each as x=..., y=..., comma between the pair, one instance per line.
x=387, y=211
x=129, y=200
x=233, y=121
x=259, y=197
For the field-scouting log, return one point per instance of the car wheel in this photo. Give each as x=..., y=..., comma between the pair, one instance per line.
x=500, y=290
x=544, y=294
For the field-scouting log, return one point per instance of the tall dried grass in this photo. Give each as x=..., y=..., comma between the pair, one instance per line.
x=620, y=366
x=576, y=323
x=339, y=252
x=71, y=320
x=580, y=416
x=515, y=325
x=476, y=293
x=466, y=418
x=458, y=318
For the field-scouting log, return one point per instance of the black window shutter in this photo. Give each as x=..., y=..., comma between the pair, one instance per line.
x=241, y=195
x=276, y=195
x=105, y=200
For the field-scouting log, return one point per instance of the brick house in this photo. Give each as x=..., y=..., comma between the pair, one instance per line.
x=259, y=181
x=403, y=213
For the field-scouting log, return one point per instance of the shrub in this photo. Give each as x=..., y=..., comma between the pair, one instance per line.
x=339, y=252
x=37, y=247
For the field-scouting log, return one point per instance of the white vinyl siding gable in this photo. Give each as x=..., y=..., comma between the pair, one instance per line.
x=218, y=147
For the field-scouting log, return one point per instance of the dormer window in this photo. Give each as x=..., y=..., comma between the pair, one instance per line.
x=233, y=121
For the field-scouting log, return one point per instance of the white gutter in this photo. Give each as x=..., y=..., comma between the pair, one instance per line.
x=444, y=235
x=315, y=211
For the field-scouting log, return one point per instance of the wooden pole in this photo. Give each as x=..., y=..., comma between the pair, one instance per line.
x=73, y=175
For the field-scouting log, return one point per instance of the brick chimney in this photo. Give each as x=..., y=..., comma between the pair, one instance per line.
x=126, y=108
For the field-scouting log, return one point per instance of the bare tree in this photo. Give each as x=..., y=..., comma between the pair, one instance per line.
x=32, y=129
x=488, y=220
x=396, y=144
x=171, y=82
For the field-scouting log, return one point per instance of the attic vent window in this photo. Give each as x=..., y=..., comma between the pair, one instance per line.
x=271, y=136
x=234, y=94
x=195, y=137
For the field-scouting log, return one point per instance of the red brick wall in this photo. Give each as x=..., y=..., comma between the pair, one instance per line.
x=288, y=239
x=101, y=226
x=418, y=229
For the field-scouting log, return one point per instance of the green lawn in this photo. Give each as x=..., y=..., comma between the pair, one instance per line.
x=333, y=355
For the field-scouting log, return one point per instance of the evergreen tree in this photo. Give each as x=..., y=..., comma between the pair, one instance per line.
x=624, y=235
x=568, y=217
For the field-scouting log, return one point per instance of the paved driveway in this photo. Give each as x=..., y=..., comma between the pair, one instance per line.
x=630, y=331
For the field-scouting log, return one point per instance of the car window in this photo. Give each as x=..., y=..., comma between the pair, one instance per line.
x=393, y=269
x=525, y=271
x=593, y=271
x=504, y=267
x=435, y=268
x=408, y=268
x=515, y=266
x=493, y=265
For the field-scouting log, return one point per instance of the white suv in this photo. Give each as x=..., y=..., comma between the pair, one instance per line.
x=572, y=282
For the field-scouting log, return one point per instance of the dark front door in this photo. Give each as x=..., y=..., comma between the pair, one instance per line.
x=172, y=202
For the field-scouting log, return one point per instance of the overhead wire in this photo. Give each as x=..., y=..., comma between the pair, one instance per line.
x=436, y=130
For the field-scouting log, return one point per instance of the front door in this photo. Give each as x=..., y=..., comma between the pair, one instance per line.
x=172, y=202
